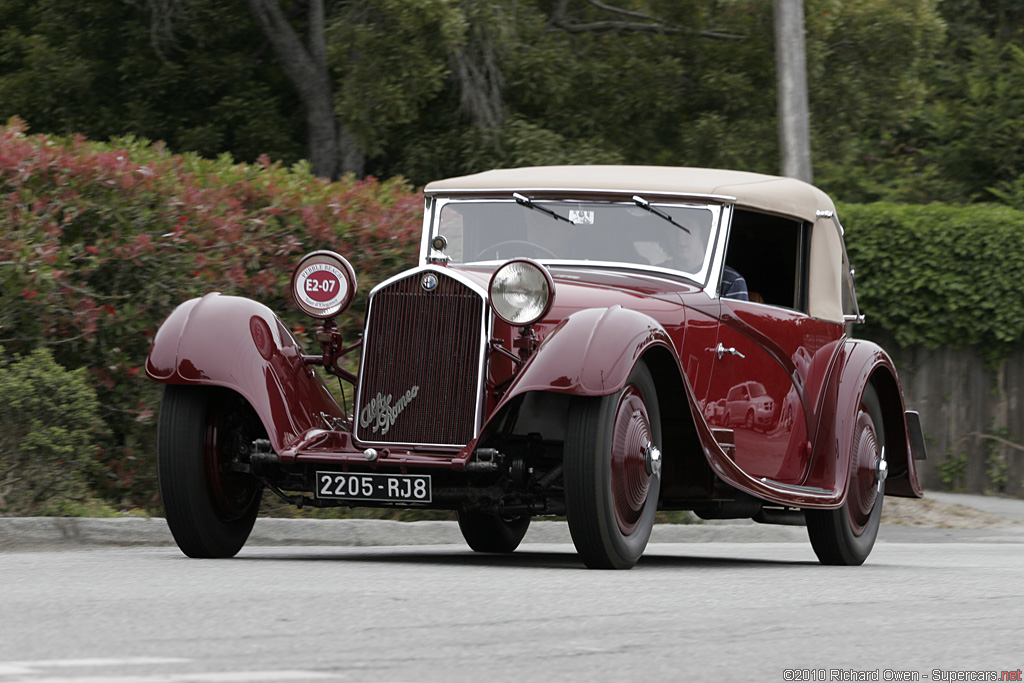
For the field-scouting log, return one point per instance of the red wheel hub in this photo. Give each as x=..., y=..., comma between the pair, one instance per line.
x=863, y=492
x=630, y=481
x=231, y=493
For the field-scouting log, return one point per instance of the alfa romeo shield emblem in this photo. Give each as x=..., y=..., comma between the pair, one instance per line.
x=429, y=282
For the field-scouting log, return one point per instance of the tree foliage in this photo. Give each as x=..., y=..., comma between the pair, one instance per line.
x=911, y=100
x=199, y=78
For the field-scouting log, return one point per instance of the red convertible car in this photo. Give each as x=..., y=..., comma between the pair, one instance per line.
x=593, y=342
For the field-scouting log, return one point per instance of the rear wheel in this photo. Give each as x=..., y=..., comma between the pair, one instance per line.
x=487, y=533
x=210, y=505
x=612, y=472
x=847, y=535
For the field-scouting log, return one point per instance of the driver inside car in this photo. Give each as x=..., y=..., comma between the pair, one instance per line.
x=687, y=254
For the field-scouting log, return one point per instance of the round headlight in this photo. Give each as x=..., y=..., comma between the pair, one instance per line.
x=521, y=292
x=323, y=284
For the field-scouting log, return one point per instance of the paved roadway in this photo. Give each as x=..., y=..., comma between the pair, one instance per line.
x=732, y=603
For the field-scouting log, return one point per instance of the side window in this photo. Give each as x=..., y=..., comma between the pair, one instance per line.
x=770, y=252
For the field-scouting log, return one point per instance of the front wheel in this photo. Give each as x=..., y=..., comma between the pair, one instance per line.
x=847, y=535
x=487, y=533
x=210, y=505
x=612, y=472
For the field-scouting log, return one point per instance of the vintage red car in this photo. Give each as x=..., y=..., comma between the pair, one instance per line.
x=598, y=342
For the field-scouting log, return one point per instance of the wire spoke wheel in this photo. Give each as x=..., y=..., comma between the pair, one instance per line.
x=613, y=472
x=845, y=536
x=209, y=504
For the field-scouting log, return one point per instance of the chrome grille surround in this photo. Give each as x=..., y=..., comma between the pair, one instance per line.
x=421, y=375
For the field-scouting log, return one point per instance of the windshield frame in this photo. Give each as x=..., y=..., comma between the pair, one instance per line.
x=708, y=272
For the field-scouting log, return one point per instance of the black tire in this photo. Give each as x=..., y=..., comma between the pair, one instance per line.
x=846, y=536
x=486, y=533
x=610, y=496
x=210, y=509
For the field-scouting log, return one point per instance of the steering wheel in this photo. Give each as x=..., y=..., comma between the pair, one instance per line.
x=540, y=249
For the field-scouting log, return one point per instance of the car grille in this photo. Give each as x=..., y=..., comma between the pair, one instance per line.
x=420, y=374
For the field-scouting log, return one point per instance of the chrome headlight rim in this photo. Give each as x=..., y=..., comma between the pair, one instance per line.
x=540, y=293
x=323, y=284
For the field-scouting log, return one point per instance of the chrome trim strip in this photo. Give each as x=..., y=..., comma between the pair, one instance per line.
x=429, y=209
x=820, y=213
x=713, y=283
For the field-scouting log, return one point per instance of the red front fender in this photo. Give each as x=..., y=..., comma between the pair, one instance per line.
x=590, y=353
x=240, y=344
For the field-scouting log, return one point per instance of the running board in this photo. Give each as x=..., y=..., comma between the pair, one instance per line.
x=798, y=489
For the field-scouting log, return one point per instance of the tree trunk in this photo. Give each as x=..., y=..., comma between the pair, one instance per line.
x=791, y=64
x=306, y=68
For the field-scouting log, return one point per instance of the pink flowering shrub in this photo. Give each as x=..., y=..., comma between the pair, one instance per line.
x=100, y=241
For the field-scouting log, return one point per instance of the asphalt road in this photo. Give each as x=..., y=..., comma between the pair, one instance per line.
x=696, y=608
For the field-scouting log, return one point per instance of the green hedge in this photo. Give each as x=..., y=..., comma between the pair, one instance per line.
x=940, y=275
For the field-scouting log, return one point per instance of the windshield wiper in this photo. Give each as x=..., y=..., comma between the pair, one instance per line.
x=528, y=203
x=644, y=204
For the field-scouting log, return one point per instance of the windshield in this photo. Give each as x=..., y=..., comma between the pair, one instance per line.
x=674, y=236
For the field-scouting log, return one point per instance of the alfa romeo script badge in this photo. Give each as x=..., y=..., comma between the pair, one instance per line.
x=381, y=414
x=429, y=282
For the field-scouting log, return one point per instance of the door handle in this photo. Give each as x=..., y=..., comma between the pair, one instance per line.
x=721, y=350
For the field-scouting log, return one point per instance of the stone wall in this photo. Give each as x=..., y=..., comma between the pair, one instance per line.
x=972, y=415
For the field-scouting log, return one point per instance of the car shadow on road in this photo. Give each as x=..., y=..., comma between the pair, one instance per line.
x=520, y=559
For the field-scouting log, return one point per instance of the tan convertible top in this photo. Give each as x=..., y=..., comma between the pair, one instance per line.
x=785, y=196
x=766, y=193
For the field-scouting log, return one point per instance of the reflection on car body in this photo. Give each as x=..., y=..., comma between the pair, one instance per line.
x=748, y=404
x=563, y=347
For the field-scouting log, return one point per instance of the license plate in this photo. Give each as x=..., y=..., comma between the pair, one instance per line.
x=380, y=488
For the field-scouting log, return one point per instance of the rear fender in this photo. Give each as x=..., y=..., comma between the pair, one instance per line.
x=237, y=343
x=903, y=446
x=858, y=364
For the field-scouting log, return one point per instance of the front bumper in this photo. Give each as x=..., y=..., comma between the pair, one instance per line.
x=334, y=448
